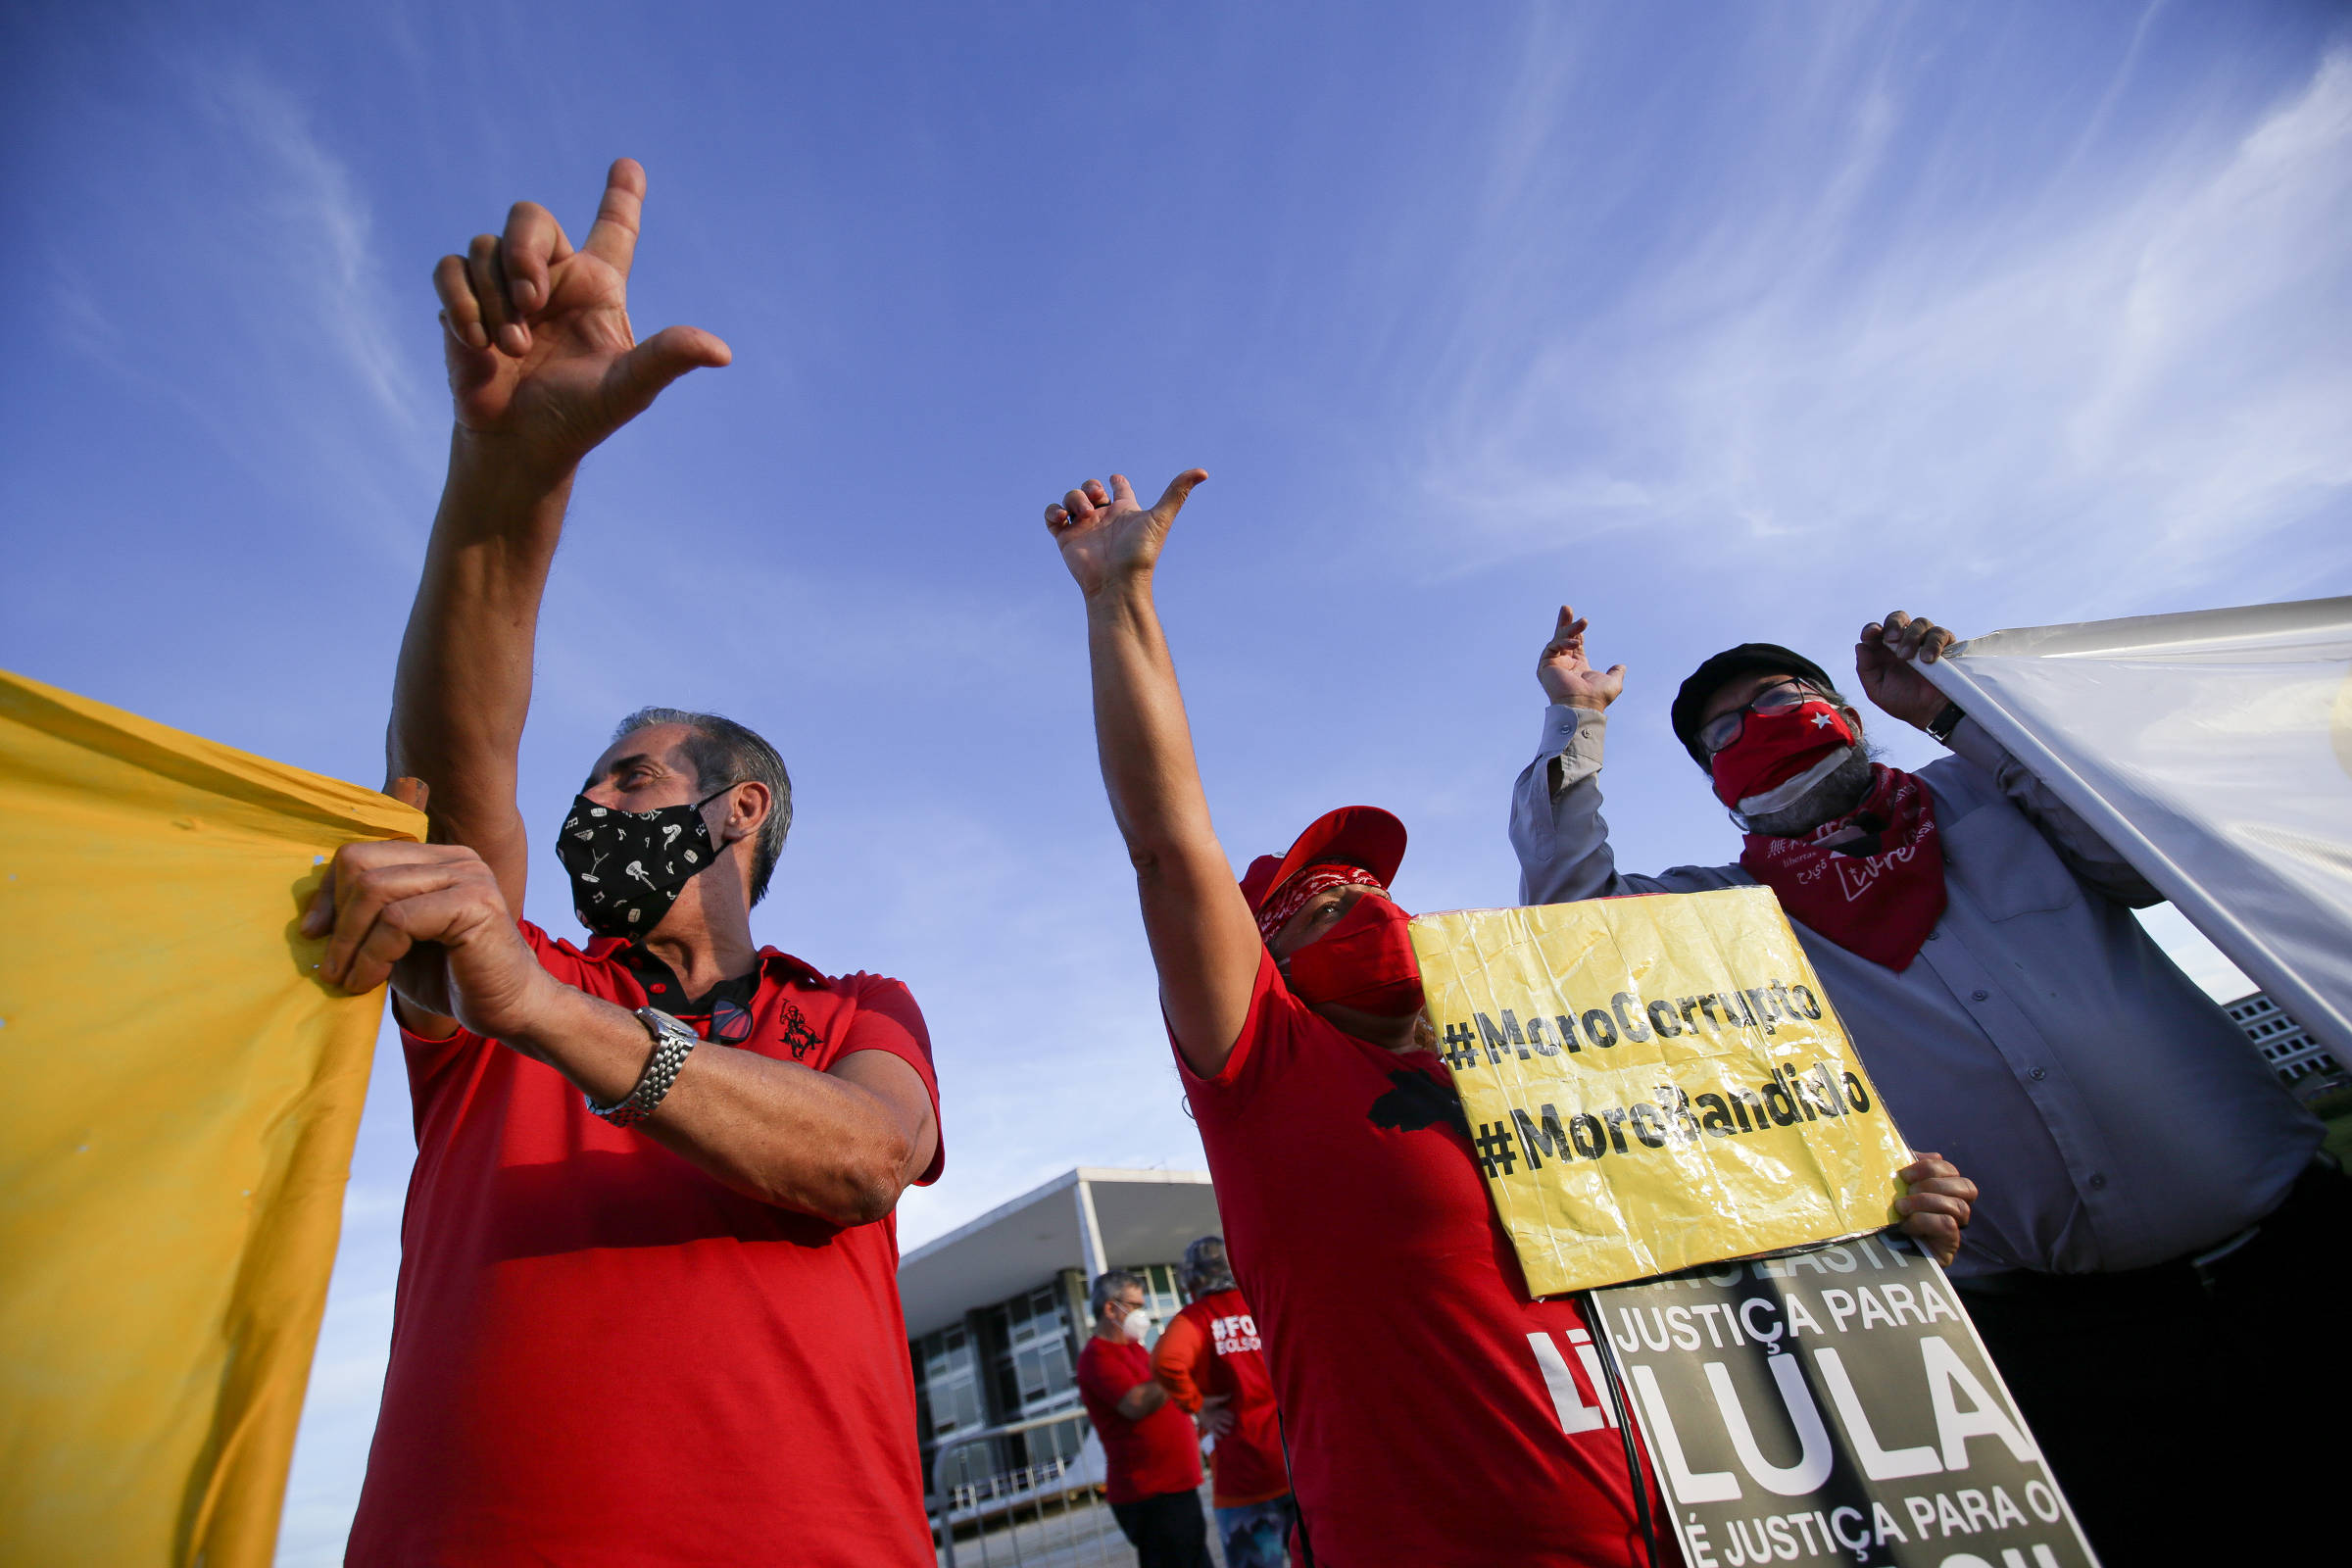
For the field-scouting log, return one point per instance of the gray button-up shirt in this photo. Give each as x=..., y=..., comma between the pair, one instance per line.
x=2112, y=1115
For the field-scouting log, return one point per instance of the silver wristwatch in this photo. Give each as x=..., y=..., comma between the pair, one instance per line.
x=673, y=1041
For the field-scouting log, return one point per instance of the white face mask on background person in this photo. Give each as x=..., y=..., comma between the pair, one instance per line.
x=1136, y=1325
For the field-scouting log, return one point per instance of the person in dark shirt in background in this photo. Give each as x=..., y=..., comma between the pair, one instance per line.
x=1151, y=1456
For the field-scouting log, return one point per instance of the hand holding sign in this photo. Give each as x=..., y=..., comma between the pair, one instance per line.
x=1935, y=1209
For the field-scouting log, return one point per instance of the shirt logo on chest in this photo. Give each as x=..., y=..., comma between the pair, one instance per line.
x=1415, y=1101
x=797, y=1033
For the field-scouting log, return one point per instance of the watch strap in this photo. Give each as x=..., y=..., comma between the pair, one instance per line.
x=1941, y=727
x=673, y=1043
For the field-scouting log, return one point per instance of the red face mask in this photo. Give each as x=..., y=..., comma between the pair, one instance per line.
x=1365, y=962
x=1774, y=748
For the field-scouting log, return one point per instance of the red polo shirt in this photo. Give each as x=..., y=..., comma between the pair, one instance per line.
x=1144, y=1458
x=600, y=1355
x=1438, y=1415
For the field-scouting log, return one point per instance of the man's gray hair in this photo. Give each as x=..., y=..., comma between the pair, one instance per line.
x=724, y=752
x=1108, y=1287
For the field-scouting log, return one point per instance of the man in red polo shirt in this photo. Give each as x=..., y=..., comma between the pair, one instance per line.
x=1211, y=1361
x=1438, y=1414
x=648, y=1307
x=1150, y=1456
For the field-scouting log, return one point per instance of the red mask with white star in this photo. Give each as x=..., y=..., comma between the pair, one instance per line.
x=1772, y=749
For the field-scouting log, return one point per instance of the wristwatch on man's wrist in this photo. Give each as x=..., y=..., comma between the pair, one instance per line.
x=673, y=1041
x=1941, y=727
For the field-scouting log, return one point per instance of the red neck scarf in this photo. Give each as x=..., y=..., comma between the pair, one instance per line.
x=1876, y=897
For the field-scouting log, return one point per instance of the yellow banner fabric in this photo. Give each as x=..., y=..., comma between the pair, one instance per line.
x=182, y=1097
x=1653, y=1083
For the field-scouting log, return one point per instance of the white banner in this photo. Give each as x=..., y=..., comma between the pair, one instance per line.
x=2214, y=750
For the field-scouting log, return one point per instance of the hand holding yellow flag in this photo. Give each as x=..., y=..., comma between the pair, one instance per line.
x=183, y=1097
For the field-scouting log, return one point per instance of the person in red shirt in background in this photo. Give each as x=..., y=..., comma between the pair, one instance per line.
x=1148, y=1448
x=1211, y=1361
x=1408, y=1357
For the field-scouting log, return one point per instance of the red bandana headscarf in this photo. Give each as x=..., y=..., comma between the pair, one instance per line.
x=1877, y=896
x=1290, y=898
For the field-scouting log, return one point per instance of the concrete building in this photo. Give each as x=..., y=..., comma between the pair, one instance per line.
x=2284, y=1042
x=997, y=1310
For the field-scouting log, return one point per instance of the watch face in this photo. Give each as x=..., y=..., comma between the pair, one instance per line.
x=668, y=1028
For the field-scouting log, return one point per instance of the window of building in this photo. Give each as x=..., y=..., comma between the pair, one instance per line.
x=947, y=1385
x=1029, y=1354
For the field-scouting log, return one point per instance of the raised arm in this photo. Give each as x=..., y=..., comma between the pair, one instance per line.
x=1556, y=826
x=1203, y=938
x=542, y=367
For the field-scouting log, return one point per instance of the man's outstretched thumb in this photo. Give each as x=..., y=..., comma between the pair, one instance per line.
x=1171, y=500
x=641, y=373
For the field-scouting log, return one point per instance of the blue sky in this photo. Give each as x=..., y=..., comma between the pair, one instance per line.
x=1721, y=321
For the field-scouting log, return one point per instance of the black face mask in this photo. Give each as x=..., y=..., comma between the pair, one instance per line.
x=628, y=868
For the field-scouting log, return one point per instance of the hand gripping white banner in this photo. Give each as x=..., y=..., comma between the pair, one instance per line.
x=2214, y=750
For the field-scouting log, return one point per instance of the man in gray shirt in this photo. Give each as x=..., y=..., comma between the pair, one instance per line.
x=2153, y=1217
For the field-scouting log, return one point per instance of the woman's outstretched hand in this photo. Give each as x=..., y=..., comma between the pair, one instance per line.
x=1107, y=538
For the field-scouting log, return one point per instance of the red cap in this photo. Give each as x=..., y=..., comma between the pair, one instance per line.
x=1360, y=835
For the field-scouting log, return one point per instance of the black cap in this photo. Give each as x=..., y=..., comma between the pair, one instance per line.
x=1748, y=658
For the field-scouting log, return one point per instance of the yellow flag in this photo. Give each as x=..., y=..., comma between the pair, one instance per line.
x=182, y=1093
x=1653, y=1083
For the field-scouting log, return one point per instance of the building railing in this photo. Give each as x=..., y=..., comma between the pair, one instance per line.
x=1018, y=1482
x=1054, y=1480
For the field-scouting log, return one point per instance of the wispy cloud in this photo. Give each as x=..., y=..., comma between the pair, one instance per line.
x=308, y=382
x=318, y=269
x=2140, y=350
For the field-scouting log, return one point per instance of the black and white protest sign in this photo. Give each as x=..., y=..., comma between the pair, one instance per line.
x=1834, y=1402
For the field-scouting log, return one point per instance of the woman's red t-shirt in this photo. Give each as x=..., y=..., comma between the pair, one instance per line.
x=1398, y=1325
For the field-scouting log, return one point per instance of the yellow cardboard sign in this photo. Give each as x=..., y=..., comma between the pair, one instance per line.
x=1653, y=1083
x=173, y=1153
